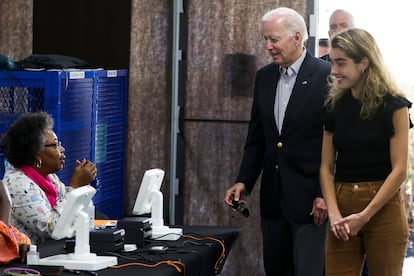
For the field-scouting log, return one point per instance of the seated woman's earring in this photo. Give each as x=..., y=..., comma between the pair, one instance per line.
x=38, y=164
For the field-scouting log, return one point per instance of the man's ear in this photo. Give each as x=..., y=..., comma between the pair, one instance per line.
x=298, y=37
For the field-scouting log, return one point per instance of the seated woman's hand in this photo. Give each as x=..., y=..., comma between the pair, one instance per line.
x=85, y=171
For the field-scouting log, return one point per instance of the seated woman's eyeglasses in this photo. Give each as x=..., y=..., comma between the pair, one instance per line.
x=57, y=145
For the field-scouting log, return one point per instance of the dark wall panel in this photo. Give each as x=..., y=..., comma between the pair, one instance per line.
x=97, y=31
x=149, y=99
x=225, y=47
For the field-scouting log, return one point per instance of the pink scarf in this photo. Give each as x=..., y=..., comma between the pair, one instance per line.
x=44, y=184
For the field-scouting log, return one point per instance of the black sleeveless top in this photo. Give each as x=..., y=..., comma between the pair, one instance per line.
x=362, y=145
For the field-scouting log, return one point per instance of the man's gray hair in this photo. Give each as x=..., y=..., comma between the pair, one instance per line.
x=292, y=19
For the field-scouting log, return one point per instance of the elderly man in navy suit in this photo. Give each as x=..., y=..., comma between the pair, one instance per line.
x=284, y=145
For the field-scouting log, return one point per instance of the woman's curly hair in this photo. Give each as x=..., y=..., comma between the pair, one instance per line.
x=26, y=137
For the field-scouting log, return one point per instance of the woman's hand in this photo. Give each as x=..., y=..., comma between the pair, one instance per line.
x=85, y=171
x=338, y=228
x=351, y=224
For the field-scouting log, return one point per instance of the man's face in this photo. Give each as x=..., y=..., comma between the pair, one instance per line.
x=338, y=23
x=284, y=49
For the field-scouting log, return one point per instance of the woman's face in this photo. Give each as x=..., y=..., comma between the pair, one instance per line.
x=345, y=70
x=53, y=155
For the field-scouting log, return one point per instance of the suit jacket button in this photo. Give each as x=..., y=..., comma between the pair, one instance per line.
x=279, y=145
x=276, y=167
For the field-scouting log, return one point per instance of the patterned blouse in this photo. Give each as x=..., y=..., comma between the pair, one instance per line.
x=31, y=211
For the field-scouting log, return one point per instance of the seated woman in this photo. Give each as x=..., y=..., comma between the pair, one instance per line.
x=37, y=194
x=13, y=244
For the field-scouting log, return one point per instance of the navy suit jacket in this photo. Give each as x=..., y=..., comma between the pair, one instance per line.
x=289, y=162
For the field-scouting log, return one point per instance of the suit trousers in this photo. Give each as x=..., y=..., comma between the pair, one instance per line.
x=293, y=249
x=383, y=240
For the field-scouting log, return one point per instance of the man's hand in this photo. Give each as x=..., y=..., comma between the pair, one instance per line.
x=235, y=192
x=319, y=211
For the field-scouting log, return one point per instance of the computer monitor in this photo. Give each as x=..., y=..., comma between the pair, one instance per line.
x=151, y=182
x=74, y=221
x=150, y=200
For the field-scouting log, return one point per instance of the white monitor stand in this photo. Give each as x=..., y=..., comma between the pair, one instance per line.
x=159, y=230
x=81, y=259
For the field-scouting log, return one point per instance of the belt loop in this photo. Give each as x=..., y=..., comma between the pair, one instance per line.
x=338, y=187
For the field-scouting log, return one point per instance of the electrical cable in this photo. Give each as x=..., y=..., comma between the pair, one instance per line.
x=20, y=271
x=221, y=243
x=223, y=247
x=174, y=264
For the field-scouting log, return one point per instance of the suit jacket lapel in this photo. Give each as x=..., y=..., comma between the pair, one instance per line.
x=273, y=80
x=300, y=88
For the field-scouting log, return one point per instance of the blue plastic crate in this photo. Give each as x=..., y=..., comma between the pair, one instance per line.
x=110, y=141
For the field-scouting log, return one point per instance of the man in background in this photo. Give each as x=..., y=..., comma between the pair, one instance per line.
x=323, y=47
x=339, y=21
